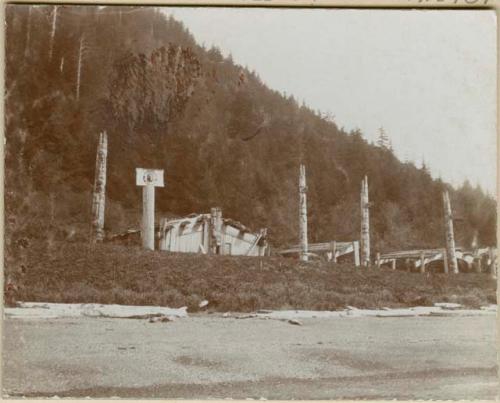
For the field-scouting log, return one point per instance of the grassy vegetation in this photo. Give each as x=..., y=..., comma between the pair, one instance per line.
x=129, y=275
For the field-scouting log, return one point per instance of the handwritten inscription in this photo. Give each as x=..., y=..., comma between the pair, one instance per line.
x=458, y=2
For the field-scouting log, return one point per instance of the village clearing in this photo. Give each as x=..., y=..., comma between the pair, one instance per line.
x=221, y=356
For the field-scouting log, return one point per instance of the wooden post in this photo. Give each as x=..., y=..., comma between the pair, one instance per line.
x=474, y=242
x=378, y=260
x=355, y=247
x=206, y=234
x=303, y=214
x=148, y=179
x=422, y=262
x=263, y=233
x=365, y=223
x=220, y=235
x=450, y=238
x=393, y=264
x=148, y=217
x=162, y=243
x=445, y=261
x=362, y=215
x=367, y=213
x=216, y=225
x=469, y=266
x=493, y=263
x=213, y=236
x=334, y=251
x=99, y=193
x=479, y=262
x=407, y=264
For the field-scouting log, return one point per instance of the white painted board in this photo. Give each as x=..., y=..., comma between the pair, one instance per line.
x=145, y=177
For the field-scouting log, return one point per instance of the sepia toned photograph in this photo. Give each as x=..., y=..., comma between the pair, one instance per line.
x=249, y=203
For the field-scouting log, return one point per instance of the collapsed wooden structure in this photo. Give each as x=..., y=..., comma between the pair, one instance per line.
x=211, y=234
x=330, y=251
x=453, y=259
x=478, y=260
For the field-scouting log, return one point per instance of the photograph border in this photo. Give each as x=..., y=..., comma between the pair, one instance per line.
x=305, y=4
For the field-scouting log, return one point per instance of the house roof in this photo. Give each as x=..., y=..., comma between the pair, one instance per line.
x=194, y=218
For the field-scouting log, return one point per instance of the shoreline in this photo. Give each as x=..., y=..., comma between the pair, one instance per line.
x=40, y=310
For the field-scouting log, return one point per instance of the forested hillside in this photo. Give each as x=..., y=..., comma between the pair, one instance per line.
x=223, y=138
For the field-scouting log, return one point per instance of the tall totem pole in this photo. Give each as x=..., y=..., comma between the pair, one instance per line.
x=365, y=223
x=99, y=193
x=303, y=214
x=450, y=237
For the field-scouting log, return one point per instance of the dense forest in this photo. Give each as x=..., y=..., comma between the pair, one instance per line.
x=222, y=137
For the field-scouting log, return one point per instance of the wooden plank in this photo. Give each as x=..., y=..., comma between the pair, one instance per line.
x=342, y=248
x=321, y=247
x=414, y=253
x=262, y=233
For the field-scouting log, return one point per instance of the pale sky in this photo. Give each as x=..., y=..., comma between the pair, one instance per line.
x=428, y=77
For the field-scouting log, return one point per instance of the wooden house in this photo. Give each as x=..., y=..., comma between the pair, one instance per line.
x=211, y=234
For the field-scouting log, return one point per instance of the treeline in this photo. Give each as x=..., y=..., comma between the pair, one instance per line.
x=222, y=137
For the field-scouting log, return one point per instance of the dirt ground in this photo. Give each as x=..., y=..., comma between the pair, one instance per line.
x=208, y=356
